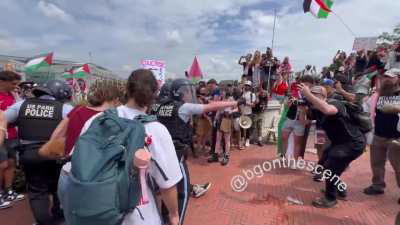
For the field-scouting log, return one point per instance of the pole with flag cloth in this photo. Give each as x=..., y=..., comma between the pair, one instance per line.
x=195, y=74
x=321, y=10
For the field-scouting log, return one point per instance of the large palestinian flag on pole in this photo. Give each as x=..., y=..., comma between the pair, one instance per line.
x=35, y=64
x=319, y=8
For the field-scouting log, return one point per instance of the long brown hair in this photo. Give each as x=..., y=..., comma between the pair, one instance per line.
x=142, y=86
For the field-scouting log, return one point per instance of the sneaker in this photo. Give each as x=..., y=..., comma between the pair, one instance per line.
x=11, y=196
x=324, y=203
x=225, y=160
x=247, y=143
x=4, y=204
x=200, y=189
x=213, y=158
x=260, y=144
x=373, y=191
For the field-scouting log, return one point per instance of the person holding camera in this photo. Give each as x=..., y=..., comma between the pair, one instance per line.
x=296, y=119
x=246, y=62
x=347, y=140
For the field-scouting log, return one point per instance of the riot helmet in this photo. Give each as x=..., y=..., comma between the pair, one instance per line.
x=165, y=90
x=58, y=89
x=183, y=90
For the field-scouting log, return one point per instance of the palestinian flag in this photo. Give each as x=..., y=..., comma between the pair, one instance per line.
x=35, y=64
x=281, y=123
x=68, y=74
x=319, y=8
x=195, y=73
x=81, y=72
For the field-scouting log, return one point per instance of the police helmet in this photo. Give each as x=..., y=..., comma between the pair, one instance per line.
x=183, y=90
x=165, y=90
x=56, y=88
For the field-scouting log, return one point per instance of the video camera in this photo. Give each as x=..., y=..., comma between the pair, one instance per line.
x=301, y=102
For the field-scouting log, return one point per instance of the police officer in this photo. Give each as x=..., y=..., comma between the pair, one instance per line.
x=175, y=112
x=36, y=119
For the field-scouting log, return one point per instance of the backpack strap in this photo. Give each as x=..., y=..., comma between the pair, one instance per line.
x=146, y=118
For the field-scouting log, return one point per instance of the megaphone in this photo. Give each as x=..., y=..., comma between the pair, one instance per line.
x=245, y=122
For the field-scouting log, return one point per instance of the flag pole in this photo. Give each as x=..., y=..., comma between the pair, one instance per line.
x=342, y=21
x=272, y=48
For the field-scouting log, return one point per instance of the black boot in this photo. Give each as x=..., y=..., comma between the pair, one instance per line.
x=213, y=158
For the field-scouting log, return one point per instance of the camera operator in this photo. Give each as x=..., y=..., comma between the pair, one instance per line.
x=394, y=57
x=245, y=61
x=295, y=120
x=347, y=141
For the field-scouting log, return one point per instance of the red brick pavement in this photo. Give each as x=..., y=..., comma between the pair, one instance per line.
x=264, y=200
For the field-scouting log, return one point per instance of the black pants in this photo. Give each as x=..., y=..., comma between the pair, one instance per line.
x=42, y=179
x=184, y=189
x=338, y=158
x=214, y=138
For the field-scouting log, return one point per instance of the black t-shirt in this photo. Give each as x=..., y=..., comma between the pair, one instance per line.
x=292, y=112
x=338, y=128
x=361, y=63
x=262, y=104
x=385, y=123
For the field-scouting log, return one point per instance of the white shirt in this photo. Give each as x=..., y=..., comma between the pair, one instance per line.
x=250, y=98
x=163, y=152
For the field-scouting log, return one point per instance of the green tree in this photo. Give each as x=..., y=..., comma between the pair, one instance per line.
x=387, y=37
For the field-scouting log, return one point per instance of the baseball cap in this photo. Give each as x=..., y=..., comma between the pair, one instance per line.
x=328, y=82
x=319, y=90
x=392, y=72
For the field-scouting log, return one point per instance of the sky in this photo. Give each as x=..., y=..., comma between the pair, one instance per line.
x=119, y=33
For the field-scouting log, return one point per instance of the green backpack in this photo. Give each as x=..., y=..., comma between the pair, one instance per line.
x=103, y=184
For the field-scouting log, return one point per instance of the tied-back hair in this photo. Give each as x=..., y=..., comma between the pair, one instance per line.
x=142, y=86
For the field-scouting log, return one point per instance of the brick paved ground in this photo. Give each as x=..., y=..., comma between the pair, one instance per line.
x=264, y=200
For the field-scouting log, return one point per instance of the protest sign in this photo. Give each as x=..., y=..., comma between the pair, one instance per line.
x=365, y=43
x=158, y=68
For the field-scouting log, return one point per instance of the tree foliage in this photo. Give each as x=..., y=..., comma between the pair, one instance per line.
x=394, y=36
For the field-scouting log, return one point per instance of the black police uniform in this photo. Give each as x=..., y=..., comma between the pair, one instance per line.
x=182, y=136
x=36, y=122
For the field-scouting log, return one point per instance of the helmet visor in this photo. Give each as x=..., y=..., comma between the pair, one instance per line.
x=188, y=93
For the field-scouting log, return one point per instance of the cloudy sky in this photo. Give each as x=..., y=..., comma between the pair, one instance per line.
x=119, y=33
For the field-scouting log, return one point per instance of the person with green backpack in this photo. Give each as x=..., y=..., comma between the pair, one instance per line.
x=104, y=185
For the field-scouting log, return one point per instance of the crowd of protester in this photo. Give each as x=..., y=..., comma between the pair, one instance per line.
x=367, y=80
